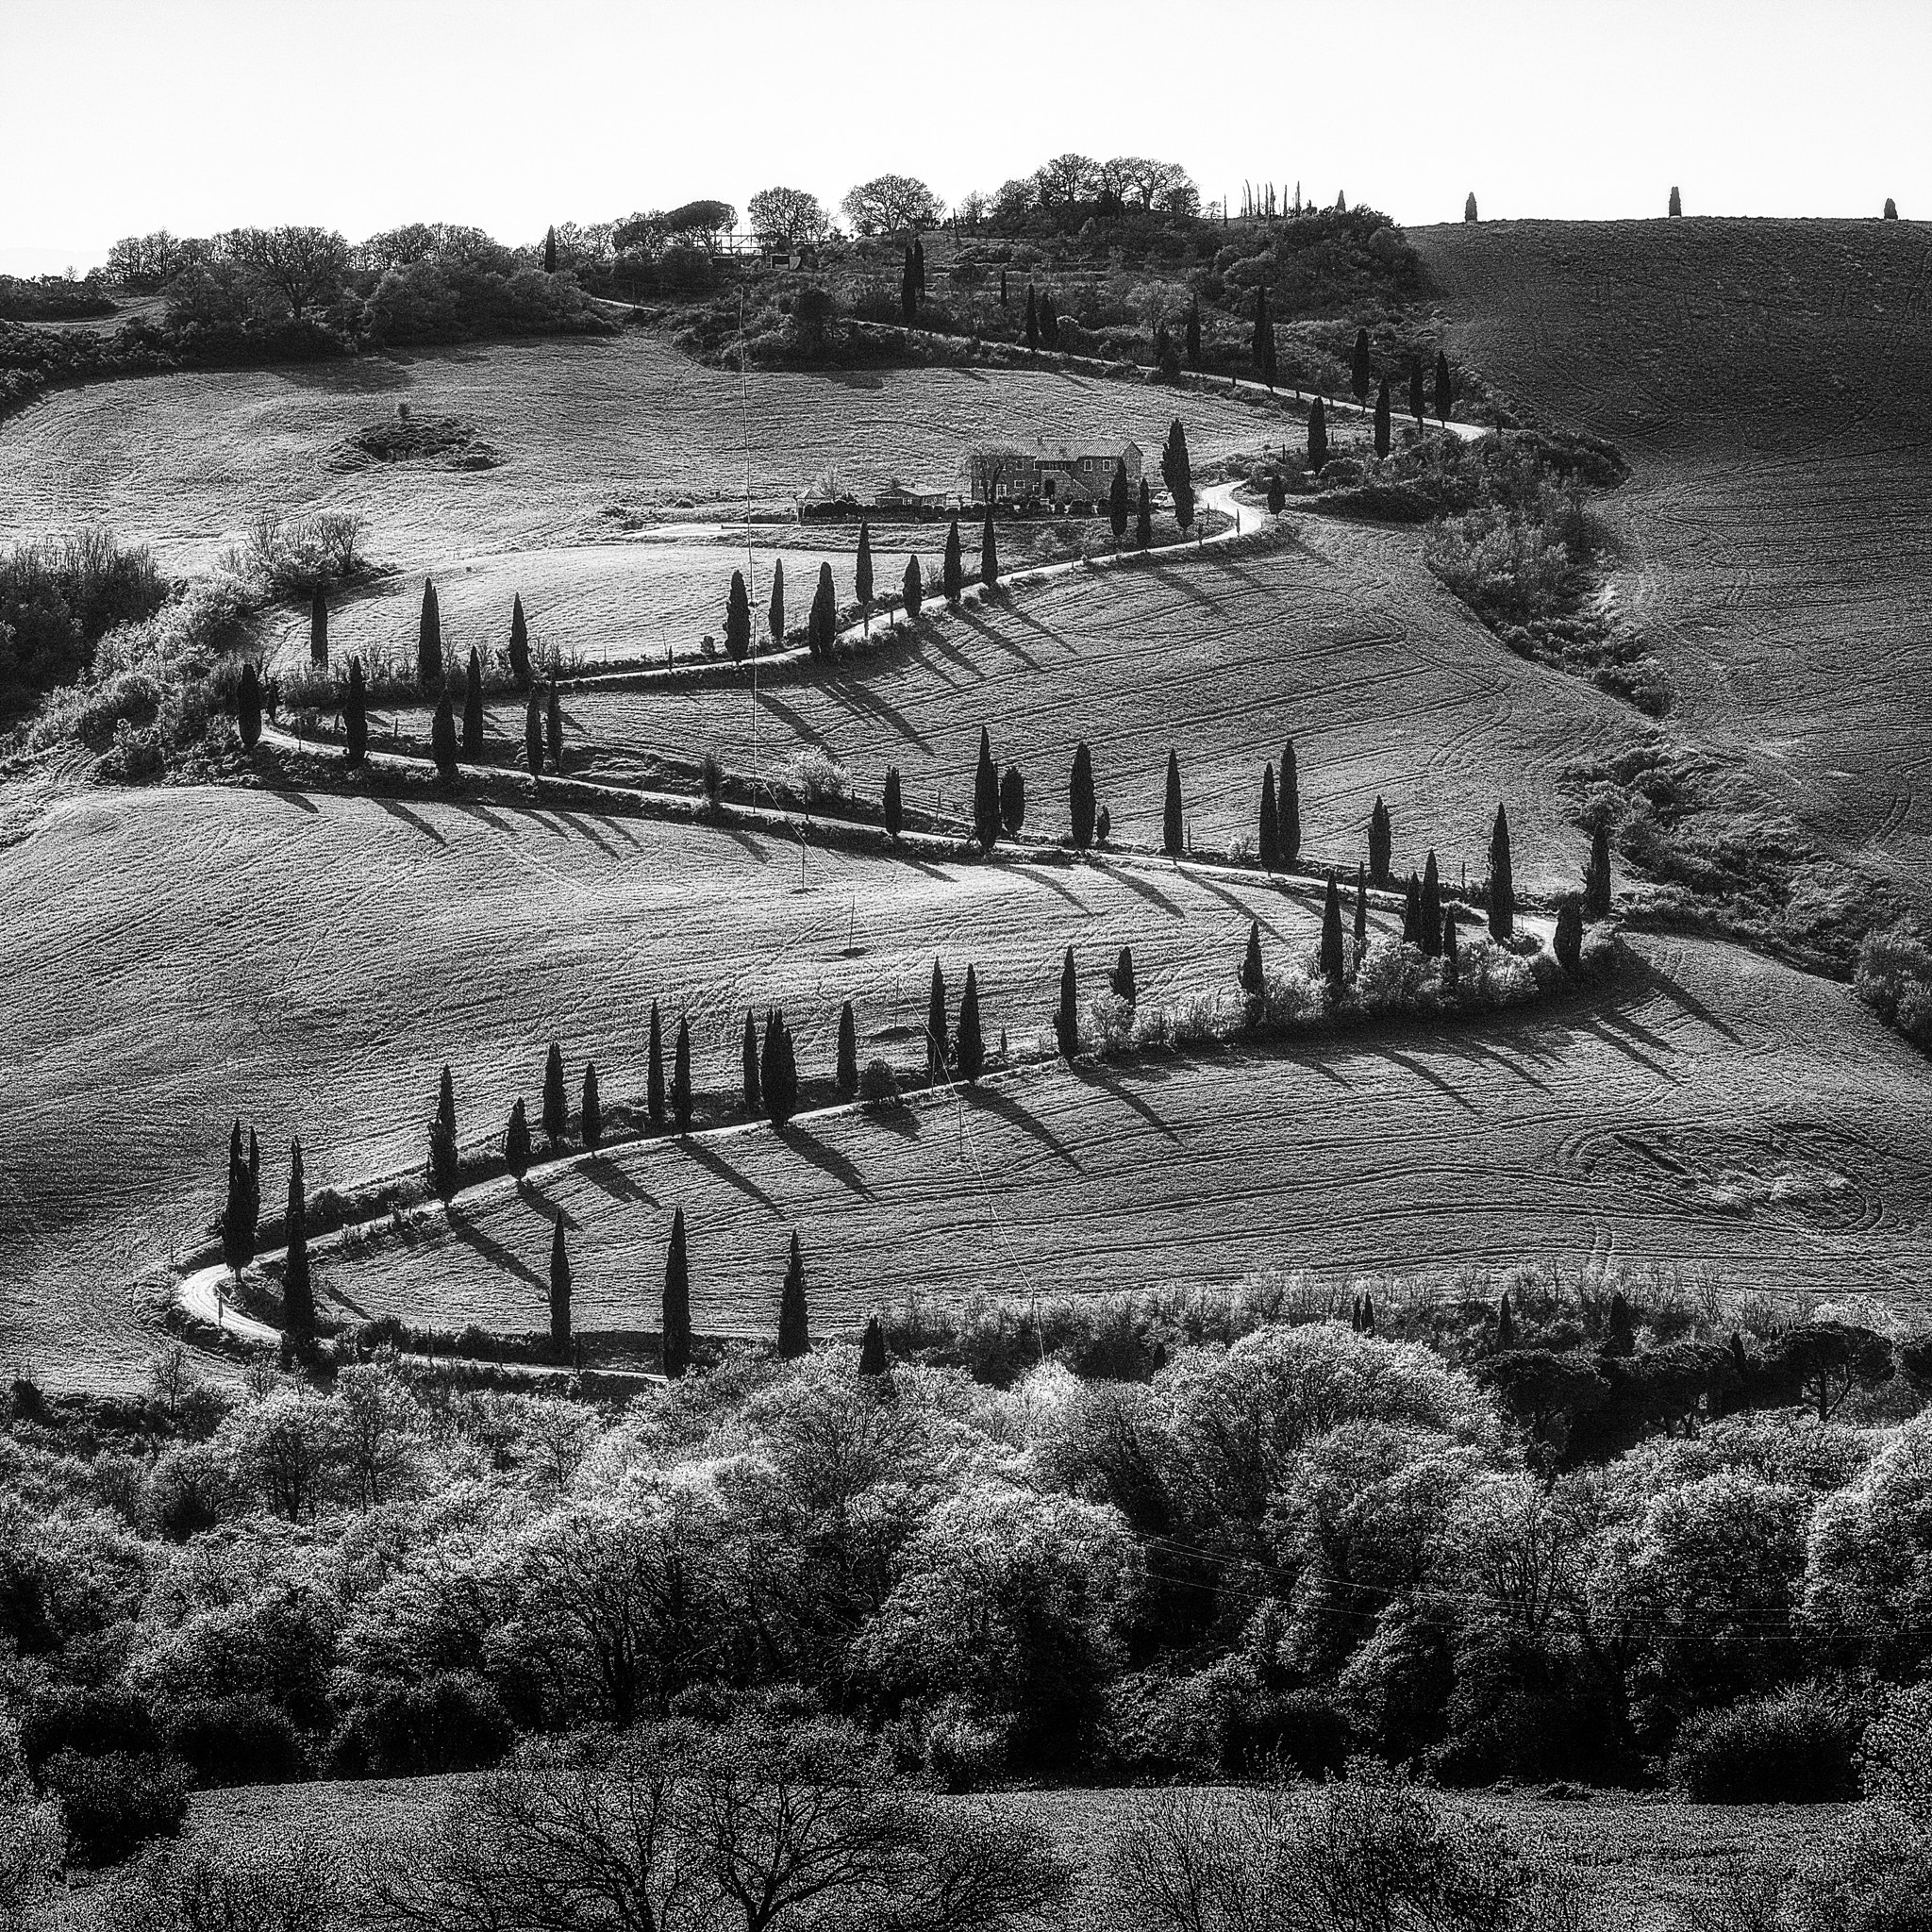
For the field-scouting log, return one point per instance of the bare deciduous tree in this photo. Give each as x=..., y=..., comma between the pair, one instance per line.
x=888, y=203
x=787, y=217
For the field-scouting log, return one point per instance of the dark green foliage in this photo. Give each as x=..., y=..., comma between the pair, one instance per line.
x=553, y=731
x=1318, y=436
x=794, y=1336
x=1120, y=982
x=1569, y=934
x=846, y=1079
x=872, y=1350
x=1049, y=320
x=1506, y=1323
x=938, y=1050
x=986, y=795
x=472, y=708
x=1178, y=475
x=1031, y=333
x=1066, y=1019
x=862, y=575
x=1596, y=877
x=550, y=251
x=970, y=1046
x=1012, y=800
x=1268, y=841
x=1445, y=390
x=1361, y=912
x=988, y=554
x=1194, y=333
x=560, y=1288
x=355, y=718
x=442, y=737
x=1368, y=1315
x=1891, y=210
x=317, y=627
x=913, y=588
x=519, y=643
x=1143, y=519
x=1102, y=826
x=253, y=1169
x=1821, y=1362
x=1080, y=796
x=1251, y=975
x=737, y=620
x=1502, y=880
x=430, y=639
x=1278, y=494
x=248, y=708
x=1416, y=406
x=675, y=1344
x=1333, y=965
x=237, y=1740
x=753, y=1093
x=775, y=612
x=1118, y=502
x=1469, y=206
x=113, y=1803
x=88, y=1720
x=680, y=1076
x=298, y=1291
x=1290, y=807
x=1677, y=202
x=555, y=1104
x=590, y=1114
x=1412, y=914
x=951, y=572
x=443, y=1168
x=779, y=1070
x=1430, y=936
x=1620, y=1328
x=825, y=615
x=450, y=1723
x=516, y=1141
x=1360, y=373
x=533, y=737
x=1172, y=831
x=1383, y=430
x=1795, y=1747
x=891, y=807
x=1264, y=338
x=238, y=1218
x=653, y=1078
x=446, y=1103
x=1381, y=842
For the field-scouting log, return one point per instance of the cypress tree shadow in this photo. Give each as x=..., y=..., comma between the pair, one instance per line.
x=819, y=1153
x=1009, y=1110
x=609, y=1177
x=714, y=1163
x=1408, y=1063
x=1116, y=1088
x=493, y=1251
x=397, y=810
x=1128, y=876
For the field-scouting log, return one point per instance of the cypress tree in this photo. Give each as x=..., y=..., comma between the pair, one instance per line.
x=775, y=614
x=430, y=639
x=254, y=1172
x=653, y=1077
x=986, y=795
x=1278, y=494
x=1269, y=841
x=472, y=708
x=1502, y=880
x=516, y=1141
x=1383, y=433
x=556, y=1105
x=680, y=1077
x=1506, y=1324
x=936, y=1047
x=779, y=1070
x=1677, y=202
x=737, y=619
x=237, y=1224
x=988, y=554
x=1251, y=977
x=550, y=251
x=444, y=1173
x=1416, y=405
x=1119, y=503
x=1032, y=326
x=1264, y=336
x=1596, y=880
x=872, y=1350
x=298, y=1291
x=1318, y=436
x=1122, y=979
x=919, y=264
x=590, y=1118
x=1195, y=333
x=1331, y=956
x=317, y=627
x=1891, y=210
x=1620, y=1330
x=1381, y=842
x=1368, y=1315
x=1361, y=912
x=846, y=1079
x=355, y=719
x=826, y=608
x=1290, y=807
x=793, y=1337
x=861, y=576
x=1177, y=474
x=1066, y=1019
x=1569, y=934
x=1170, y=832
x=533, y=737
x=1452, y=966
x=1432, y=907
x=1081, y=797
x=553, y=730
x=560, y=1288
x=1049, y=320
x=1445, y=391
x=914, y=589
x=1469, y=215
x=442, y=737
x=519, y=643
x=1012, y=800
x=1412, y=914
x=890, y=807
x=1143, y=519
x=754, y=1097
x=248, y=708
x=971, y=1048
x=446, y=1104
x=1359, y=372
x=953, y=573
x=675, y=1345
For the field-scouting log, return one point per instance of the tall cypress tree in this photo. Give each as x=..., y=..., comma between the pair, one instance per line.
x=872, y=1350
x=1290, y=807
x=1502, y=880
x=680, y=1077
x=1359, y=372
x=1120, y=981
x=430, y=639
x=254, y=1171
x=986, y=795
x=1383, y=430
x=1677, y=202
x=1171, y=830
x=1318, y=436
x=442, y=737
x=1251, y=977
x=779, y=1070
x=1331, y=959
x=298, y=1291
x=1596, y=880
x=1432, y=907
x=1012, y=800
x=1066, y=1019
x=1049, y=320
x=519, y=643
x=472, y=708
x=1178, y=475
x=775, y=612
x=590, y=1114
x=913, y=588
x=516, y=1141
x=737, y=619
x=317, y=627
x=891, y=807
x=675, y=1345
x=1119, y=503
x=446, y=1104
x=1506, y=1324
x=560, y=1288
x=355, y=719
x=971, y=1044
x=553, y=731
x=1445, y=391
x=846, y=1078
x=1569, y=932
x=1081, y=797
x=248, y=708
x=825, y=613
x=653, y=1077
x=952, y=571
x=1416, y=405
x=1194, y=336
x=862, y=575
x=1264, y=336
x=794, y=1338
x=1412, y=914
x=1278, y=494
x=550, y=251
x=1143, y=519
x=1469, y=215
x=988, y=554
x=938, y=1049
x=1361, y=912
x=444, y=1174
x=1269, y=841
x=1032, y=326
x=533, y=737
x=754, y=1097
x=555, y=1103
x=1381, y=842
x=238, y=1223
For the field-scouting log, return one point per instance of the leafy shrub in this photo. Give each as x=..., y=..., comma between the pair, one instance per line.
x=113, y=1803
x=237, y=1740
x=1894, y=979
x=455, y=1721
x=1795, y=1747
x=819, y=775
x=297, y=556
x=58, y=598
x=878, y=1083
x=88, y=1722
x=1110, y=1021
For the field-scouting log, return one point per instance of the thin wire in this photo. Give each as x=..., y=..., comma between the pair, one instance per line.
x=744, y=435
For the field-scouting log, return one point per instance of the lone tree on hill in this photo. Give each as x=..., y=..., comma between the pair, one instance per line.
x=1432, y=907
x=1891, y=210
x=1318, y=437
x=1381, y=842
x=1032, y=325
x=1268, y=840
x=1502, y=880
x=519, y=643
x=533, y=737
x=891, y=807
x=680, y=1077
x=560, y=1287
x=1066, y=1019
x=779, y=1070
x=1383, y=434
x=248, y=708
x=653, y=1077
x=794, y=1338
x=1446, y=388
x=1012, y=800
x=298, y=1291
x=1120, y=981
x=986, y=795
x=430, y=639
x=913, y=588
x=446, y=1104
x=737, y=619
x=1330, y=956
x=590, y=1114
x=825, y=615
x=846, y=1079
x=317, y=627
x=872, y=1349
x=1412, y=914
x=1677, y=202
x=355, y=719
x=1081, y=797
x=442, y=737
x=1194, y=334
x=1119, y=503
x=1416, y=403
x=937, y=1051
x=516, y=1141
x=1360, y=373
x=1469, y=206
x=1264, y=336
x=971, y=1045
x=556, y=1105
x=444, y=1174
x=753, y=1094
x=1290, y=807
x=550, y=251
x=1569, y=932
x=1361, y=912
x=1178, y=475
x=861, y=573
x=674, y=1346
x=1143, y=519
x=472, y=708
x=988, y=554
x=1252, y=980
x=775, y=613
x=238, y=1223
x=552, y=732
x=1171, y=836
x=952, y=571
x=1596, y=875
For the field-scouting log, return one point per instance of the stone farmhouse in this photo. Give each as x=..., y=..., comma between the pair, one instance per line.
x=1056, y=475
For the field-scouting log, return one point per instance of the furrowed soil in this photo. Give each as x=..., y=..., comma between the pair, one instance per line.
x=1770, y=383
x=185, y=461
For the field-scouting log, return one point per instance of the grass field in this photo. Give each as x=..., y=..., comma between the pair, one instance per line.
x=187, y=461
x=1769, y=381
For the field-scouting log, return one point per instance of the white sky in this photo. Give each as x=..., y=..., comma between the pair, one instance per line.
x=118, y=116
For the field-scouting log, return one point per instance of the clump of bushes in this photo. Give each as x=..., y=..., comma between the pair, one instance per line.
x=112, y=1804
x=58, y=598
x=1797, y=1746
x=1894, y=979
x=295, y=557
